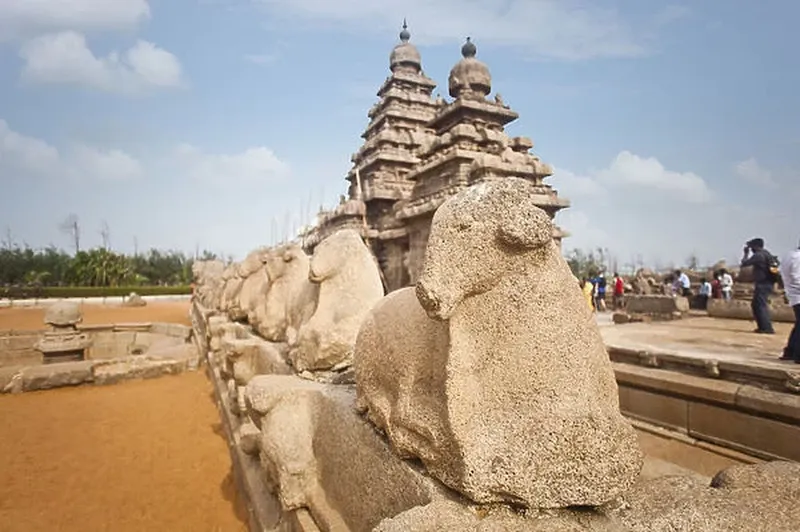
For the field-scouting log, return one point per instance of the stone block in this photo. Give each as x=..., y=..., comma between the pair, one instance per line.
x=324, y=457
x=656, y=305
x=175, y=330
x=56, y=375
x=745, y=432
x=740, y=310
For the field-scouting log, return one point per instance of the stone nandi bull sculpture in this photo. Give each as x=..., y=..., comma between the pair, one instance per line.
x=251, y=282
x=207, y=275
x=504, y=389
x=349, y=285
x=290, y=298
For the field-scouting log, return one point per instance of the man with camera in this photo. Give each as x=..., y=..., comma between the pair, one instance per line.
x=764, y=278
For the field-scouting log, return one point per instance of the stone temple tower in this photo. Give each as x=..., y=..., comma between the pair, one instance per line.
x=418, y=151
x=470, y=146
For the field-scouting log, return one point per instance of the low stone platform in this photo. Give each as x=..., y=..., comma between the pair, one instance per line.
x=713, y=380
x=118, y=352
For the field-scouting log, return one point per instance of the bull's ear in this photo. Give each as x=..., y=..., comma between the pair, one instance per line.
x=525, y=226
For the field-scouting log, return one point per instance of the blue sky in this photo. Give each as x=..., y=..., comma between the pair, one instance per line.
x=674, y=129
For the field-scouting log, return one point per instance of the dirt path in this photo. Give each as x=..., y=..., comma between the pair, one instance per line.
x=139, y=456
x=27, y=319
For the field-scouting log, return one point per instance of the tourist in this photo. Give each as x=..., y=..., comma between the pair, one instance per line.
x=726, y=280
x=705, y=293
x=716, y=286
x=600, y=292
x=763, y=283
x=588, y=292
x=790, y=273
x=619, y=291
x=683, y=284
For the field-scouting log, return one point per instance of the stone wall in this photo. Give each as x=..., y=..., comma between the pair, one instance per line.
x=740, y=310
x=418, y=231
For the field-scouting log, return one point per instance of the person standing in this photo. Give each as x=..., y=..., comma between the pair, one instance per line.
x=705, y=293
x=763, y=282
x=600, y=287
x=683, y=283
x=726, y=280
x=619, y=291
x=588, y=292
x=790, y=273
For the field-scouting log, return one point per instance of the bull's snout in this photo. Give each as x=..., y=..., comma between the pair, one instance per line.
x=433, y=304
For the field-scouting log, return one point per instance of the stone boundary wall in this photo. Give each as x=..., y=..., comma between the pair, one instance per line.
x=113, y=300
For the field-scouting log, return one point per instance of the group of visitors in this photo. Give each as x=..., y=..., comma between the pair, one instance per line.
x=720, y=287
x=595, y=291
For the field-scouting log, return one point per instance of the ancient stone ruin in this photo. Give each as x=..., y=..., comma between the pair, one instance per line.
x=70, y=353
x=481, y=399
x=418, y=151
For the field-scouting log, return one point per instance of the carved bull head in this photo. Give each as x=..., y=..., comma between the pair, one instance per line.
x=331, y=254
x=477, y=237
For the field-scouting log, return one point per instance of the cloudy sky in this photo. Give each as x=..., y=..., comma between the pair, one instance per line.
x=674, y=129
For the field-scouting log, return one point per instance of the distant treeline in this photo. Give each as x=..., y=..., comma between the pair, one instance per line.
x=24, y=267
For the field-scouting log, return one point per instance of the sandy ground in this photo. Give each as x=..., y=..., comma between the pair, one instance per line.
x=26, y=318
x=138, y=456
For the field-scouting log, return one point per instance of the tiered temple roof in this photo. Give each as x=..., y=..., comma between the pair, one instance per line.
x=419, y=151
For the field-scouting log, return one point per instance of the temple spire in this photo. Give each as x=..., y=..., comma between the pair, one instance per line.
x=405, y=35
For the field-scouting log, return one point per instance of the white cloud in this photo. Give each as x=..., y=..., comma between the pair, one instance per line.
x=754, y=173
x=24, y=157
x=104, y=164
x=20, y=18
x=23, y=154
x=65, y=58
x=560, y=29
x=253, y=165
x=576, y=185
x=630, y=169
x=638, y=207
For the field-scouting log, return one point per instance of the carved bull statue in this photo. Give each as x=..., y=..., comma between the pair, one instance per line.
x=497, y=377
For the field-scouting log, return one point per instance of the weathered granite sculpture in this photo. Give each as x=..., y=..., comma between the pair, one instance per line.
x=349, y=285
x=254, y=287
x=208, y=282
x=231, y=283
x=245, y=270
x=134, y=300
x=523, y=411
x=291, y=298
x=63, y=342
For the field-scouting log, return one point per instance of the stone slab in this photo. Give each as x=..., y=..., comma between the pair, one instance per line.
x=56, y=375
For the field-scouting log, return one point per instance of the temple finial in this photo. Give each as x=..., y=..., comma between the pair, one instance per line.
x=469, y=49
x=405, y=35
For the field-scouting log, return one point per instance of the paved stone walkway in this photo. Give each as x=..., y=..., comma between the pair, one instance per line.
x=702, y=337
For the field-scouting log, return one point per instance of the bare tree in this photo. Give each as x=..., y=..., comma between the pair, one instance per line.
x=8, y=241
x=105, y=234
x=135, y=247
x=71, y=227
x=692, y=262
